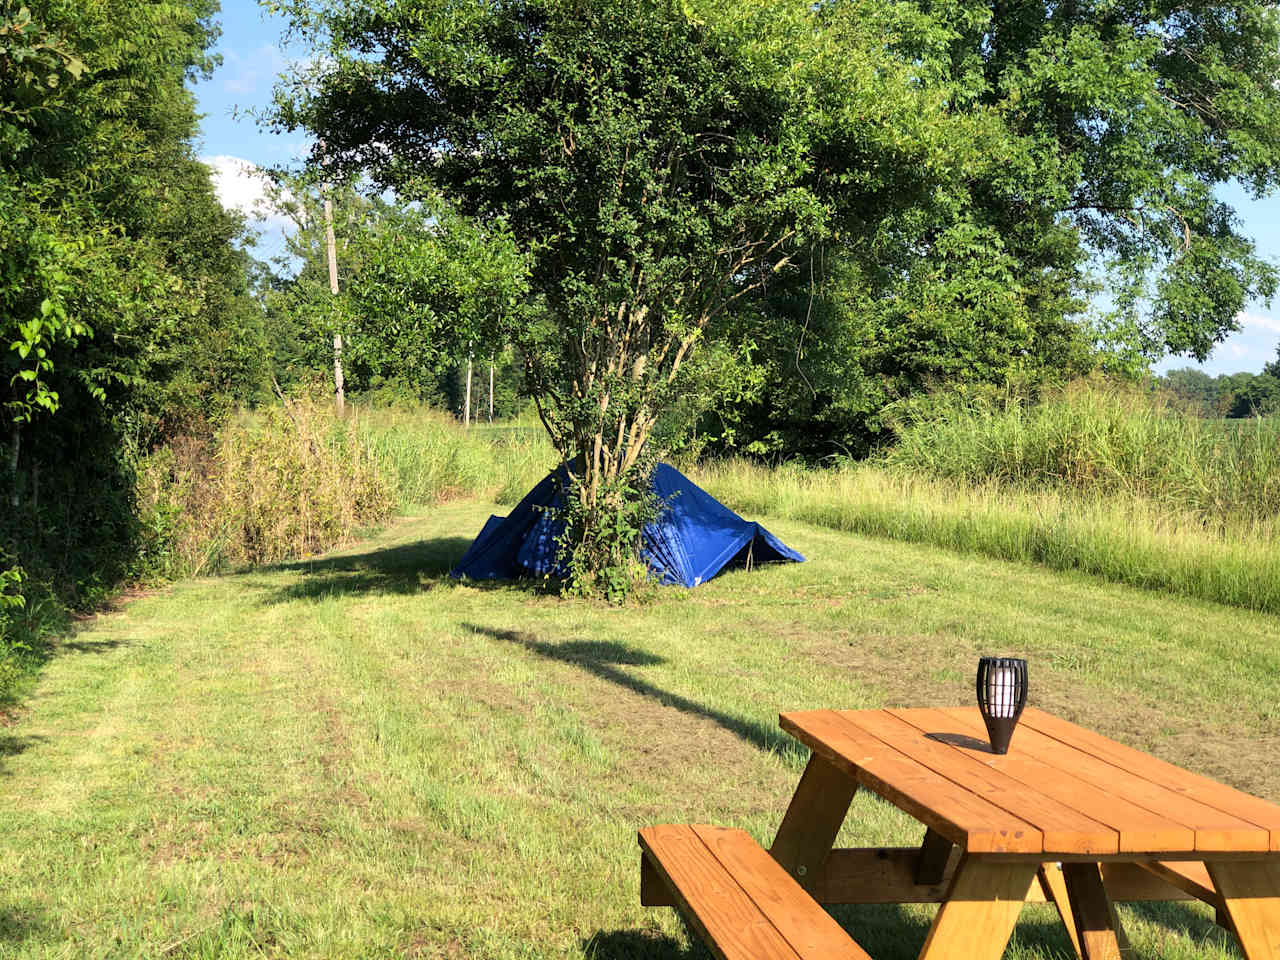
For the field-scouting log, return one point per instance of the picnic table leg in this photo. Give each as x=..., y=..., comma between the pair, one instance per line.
x=978, y=916
x=1250, y=891
x=1098, y=931
x=813, y=818
x=1055, y=891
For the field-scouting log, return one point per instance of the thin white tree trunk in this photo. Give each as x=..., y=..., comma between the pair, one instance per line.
x=466, y=404
x=339, y=391
x=491, y=391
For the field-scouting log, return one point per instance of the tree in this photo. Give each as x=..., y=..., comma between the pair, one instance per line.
x=124, y=302
x=1120, y=119
x=659, y=166
x=1199, y=391
x=1272, y=369
x=1255, y=395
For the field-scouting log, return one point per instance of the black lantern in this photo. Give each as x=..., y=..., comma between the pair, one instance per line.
x=1002, y=693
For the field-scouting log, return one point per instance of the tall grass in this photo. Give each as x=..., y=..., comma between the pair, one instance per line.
x=1120, y=537
x=294, y=479
x=1104, y=439
x=432, y=458
x=287, y=481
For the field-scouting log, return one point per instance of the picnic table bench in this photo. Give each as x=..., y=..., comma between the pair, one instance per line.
x=1067, y=816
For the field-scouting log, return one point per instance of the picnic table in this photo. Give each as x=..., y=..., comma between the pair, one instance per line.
x=1067, y=816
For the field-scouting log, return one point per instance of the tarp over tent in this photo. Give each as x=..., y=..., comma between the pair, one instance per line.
x=694, y=538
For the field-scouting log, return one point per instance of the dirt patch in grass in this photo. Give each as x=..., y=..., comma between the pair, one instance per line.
x=906, y=671
x=1226, y=752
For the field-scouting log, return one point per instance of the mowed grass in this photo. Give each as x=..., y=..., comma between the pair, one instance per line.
x=356, y=757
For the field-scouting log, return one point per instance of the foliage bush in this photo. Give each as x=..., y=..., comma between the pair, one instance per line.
x=30, y=615
x=599, y=550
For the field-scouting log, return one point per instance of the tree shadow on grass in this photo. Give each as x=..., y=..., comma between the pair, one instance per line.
x=603, y=658
x=11, y=746
x=20, y=923
x=105, y=645
x=639, y=945
x=406, y=569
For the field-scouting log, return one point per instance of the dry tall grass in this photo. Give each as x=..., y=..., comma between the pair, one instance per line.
x=288, y=481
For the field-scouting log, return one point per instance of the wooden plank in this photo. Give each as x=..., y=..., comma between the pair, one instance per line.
x=721, y=913
x=977, y=918
x=1055, y=891
x=956, y=813
x=1215, y=830
x=813, y=819
x=1132, y=882
x=653, y=888
x=1250, y=891
x=1065, y=829
x=806, y=926
x=1189, y=876
x=935, y=852
x=887, y=875
x=1098, y=932
x=879, y=875
x=1140, y=830
x=1255, y=810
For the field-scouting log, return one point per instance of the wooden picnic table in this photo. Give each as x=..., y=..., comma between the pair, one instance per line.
x=1067, y=816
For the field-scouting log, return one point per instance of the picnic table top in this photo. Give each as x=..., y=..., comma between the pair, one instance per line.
x=1061, y=790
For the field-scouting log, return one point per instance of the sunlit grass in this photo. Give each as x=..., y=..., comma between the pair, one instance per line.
x=356, y=757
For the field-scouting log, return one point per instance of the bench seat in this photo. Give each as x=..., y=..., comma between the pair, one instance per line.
x=737, y=897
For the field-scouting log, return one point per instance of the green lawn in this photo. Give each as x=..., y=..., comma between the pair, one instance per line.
x=356, y=757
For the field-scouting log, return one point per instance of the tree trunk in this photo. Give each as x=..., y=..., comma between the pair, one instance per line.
x=339, y=392
x=15, y=440
x=491, y=390
x=466, y=403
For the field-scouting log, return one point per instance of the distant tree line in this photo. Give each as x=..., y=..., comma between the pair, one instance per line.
x=1232, y=395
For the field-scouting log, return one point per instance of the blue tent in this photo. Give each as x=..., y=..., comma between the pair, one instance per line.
x=693, y=539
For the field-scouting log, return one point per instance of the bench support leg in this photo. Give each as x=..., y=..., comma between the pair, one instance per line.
x=935, y=852
x=812, y=821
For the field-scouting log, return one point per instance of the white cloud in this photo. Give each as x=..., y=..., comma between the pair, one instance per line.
x=253, y=71
x=241, y=185
x=1258, y=322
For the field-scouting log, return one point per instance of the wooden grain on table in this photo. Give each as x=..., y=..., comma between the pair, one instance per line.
x=1264, y=814
x=1064, y=827
x=957, y=813
x=1150, y=817
x=1214, y=829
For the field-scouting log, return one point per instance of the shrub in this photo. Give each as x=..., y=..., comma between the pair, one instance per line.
x=289, y=481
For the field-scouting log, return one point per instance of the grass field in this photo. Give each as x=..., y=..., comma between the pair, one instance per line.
x=356, y=757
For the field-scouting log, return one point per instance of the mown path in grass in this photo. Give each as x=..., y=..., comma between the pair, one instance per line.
x=356, y=757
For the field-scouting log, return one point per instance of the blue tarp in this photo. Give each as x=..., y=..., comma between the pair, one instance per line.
x=694, y=538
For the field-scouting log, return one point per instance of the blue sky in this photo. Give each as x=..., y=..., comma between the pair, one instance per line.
x=253, y=53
